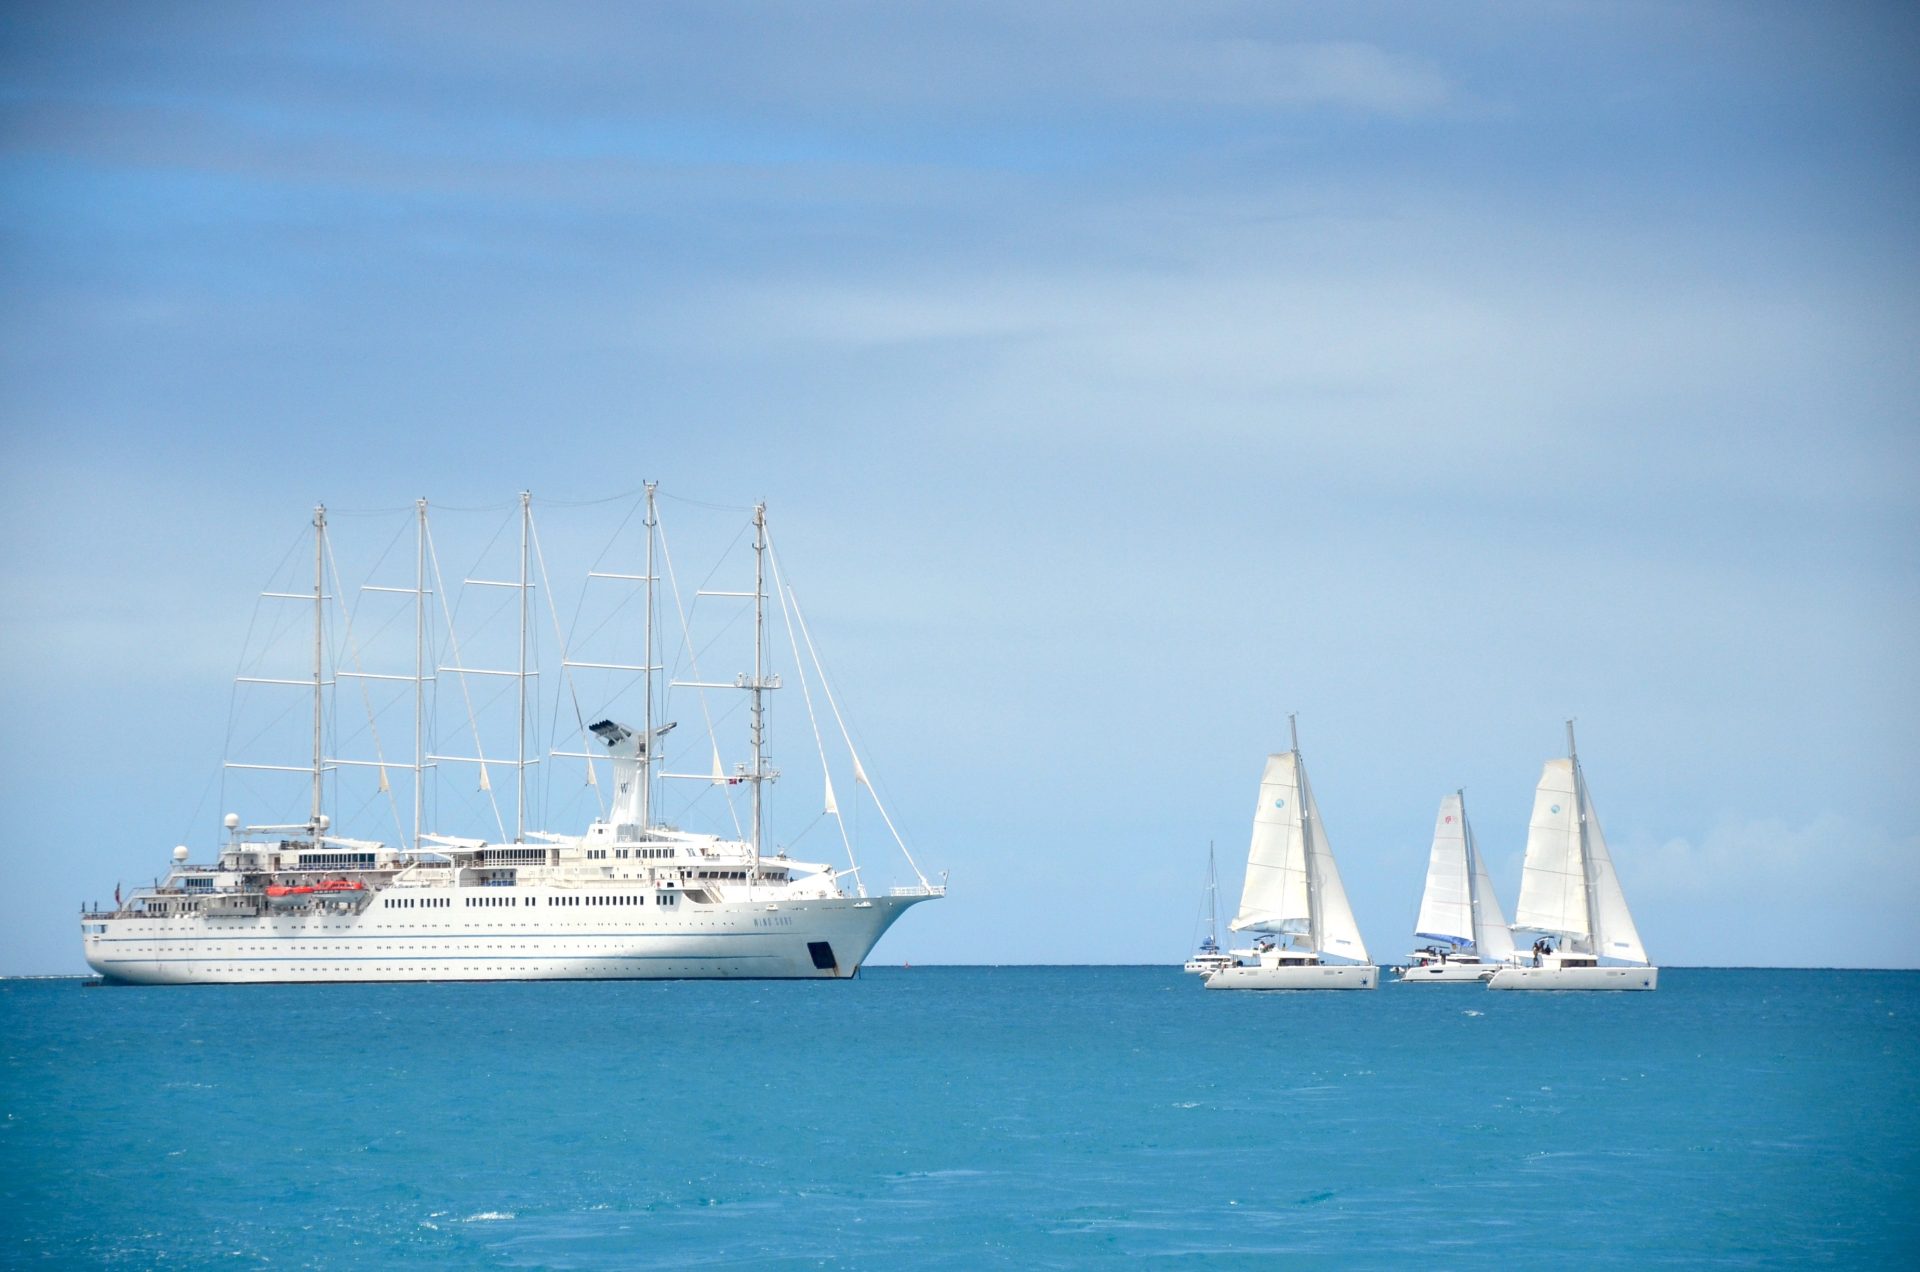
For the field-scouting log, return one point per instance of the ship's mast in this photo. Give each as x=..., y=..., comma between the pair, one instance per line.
x=520, y=764
x=1306, y=838
x=759, y=677
x=646, y=732
x=419, y=667
x=319, y=655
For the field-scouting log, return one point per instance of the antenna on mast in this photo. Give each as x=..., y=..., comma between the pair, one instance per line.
x=1293, y=731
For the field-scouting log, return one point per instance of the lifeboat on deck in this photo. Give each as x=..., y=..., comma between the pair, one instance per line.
x=288, y=896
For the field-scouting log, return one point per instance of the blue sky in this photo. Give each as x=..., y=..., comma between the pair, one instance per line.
x=1121, y=378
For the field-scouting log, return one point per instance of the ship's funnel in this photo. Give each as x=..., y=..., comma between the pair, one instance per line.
x=630, y=755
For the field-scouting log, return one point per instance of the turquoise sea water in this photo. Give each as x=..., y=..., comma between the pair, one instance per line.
x=963, y=1117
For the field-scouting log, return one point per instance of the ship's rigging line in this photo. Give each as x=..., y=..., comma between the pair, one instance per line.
x=572, y=638
x=573, y=695
x=473, y=723
x=246, y=651
x=859, y=771
x=831, y=805
x=793, y=619
x=366, y=700
x=686, y=640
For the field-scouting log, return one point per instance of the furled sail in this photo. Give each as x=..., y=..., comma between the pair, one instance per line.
x=1274, y=898
x=1553, y=884
x=1336, y=933
x=1617, y=937
x=1446, y=907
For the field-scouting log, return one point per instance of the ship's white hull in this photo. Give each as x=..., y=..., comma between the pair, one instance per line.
x=818, y=939
x=1315, y=976
x=1638, y=978
x=1451, y=972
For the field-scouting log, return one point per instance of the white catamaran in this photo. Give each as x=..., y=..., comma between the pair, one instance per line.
x=1293, y=895
x=1210, y=958
x=1459, y=912
x=1570, y=894
x=631, y=897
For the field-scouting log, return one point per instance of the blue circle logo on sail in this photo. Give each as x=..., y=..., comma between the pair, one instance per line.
x=1554, y=809
x=1279, y=803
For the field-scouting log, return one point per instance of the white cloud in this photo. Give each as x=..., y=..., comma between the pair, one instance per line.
x=1830, y=893
x=1408, y=344
x=1267, y=73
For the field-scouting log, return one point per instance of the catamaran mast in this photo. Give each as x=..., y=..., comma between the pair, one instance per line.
x=1213, y=899
x=1586, y=859
x=319, y=653
x=1467, y=856
x=1306, y=839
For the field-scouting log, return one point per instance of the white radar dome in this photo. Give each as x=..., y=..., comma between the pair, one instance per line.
x=180, y=853
x=325, y=821
x=233, y=821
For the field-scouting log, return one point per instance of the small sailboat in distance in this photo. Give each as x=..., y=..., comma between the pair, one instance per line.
x=1570, y=894
x=1293, y=894
x=1459, y=912
x=1210, y=957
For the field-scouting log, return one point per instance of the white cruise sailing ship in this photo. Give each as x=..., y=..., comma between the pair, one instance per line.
x=631, y=897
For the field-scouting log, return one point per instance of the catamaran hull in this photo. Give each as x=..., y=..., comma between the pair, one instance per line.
x=1321, y=976
x=1621, y=978
x=1448, y=973
x=805, y=940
